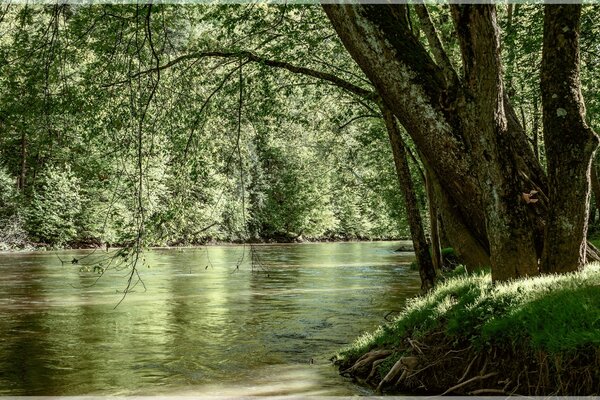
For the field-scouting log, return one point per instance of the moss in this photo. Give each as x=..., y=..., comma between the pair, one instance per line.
x=552, y=313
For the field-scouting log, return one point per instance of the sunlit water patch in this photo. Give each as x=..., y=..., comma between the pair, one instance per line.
x=201, y=326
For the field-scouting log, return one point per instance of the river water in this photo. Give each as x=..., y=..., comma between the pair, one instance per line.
x=202, y=326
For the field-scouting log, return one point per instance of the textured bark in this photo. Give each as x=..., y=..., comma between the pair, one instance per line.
x=483, y=161
x=426, y=269
x=436, y=247
x=379, y=39
x=570, y=142
x=595, y=185
x=510, y=231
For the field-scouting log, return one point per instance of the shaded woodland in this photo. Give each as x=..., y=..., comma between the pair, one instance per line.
x=184, y=124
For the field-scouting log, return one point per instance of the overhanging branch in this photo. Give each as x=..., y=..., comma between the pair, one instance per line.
x=251, y=57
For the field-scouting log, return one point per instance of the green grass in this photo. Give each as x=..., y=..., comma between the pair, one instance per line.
x=552, y=313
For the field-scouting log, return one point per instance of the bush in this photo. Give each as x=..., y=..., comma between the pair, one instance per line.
x=12, y=233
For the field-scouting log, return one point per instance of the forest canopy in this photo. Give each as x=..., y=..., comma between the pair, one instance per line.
x=208, y=148
x=173, y=124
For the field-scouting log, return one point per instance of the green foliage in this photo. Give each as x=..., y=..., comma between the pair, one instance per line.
x=180, y=154
x=52, y=214
x=553, y=313
x=12, y=231
x=448, y=251
x=309, y=159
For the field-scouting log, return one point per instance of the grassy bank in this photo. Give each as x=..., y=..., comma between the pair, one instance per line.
x=535, y=336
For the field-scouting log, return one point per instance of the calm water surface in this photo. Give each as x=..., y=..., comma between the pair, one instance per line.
x=202, y=326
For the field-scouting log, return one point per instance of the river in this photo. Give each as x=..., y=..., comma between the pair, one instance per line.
x=202, y=326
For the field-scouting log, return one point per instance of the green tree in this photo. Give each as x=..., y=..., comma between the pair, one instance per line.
x=51, y=216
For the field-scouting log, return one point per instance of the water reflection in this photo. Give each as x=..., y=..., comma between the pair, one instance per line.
x=202, y=326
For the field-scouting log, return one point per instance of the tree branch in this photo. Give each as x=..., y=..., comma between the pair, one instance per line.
x=251, y=57
x=439, y=54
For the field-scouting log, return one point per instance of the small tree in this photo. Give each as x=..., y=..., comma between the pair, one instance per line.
x=55, y=204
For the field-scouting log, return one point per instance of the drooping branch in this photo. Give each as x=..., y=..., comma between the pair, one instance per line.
x=252, y=57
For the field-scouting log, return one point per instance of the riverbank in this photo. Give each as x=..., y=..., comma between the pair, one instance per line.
x=537, y=336
x=32, y=246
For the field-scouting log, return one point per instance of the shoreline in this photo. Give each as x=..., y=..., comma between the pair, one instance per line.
x=42, y=249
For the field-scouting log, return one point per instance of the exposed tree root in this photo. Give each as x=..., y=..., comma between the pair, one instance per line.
x=462, y=378
x=439, y=365
x=475, y=378
x=374, y=370
x=365, y=362
x=403, y=367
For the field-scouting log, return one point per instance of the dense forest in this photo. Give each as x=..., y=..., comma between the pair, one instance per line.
x=97, y=142
x=467, y=127
x=187, y=124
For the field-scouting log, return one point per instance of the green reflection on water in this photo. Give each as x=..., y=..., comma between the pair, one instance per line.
x=202, y=326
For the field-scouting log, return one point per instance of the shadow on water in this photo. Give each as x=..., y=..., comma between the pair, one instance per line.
x=202, y=327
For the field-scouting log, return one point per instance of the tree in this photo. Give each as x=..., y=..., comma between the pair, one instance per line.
x=427, y=271
x=570, y=142
x=465, y=127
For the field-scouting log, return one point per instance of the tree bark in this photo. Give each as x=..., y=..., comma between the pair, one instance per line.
x=595, y=185
x=427, y=271
x=511, y=236
x=437, y=49
x=379, y=39
x=570, y=142
x=468, y=247
x=483, y=160
x=436, y=246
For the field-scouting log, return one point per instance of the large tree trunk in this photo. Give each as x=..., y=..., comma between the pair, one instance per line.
x=443, y=121
x=483, y=118
x=570, y=142
x=427, y=271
